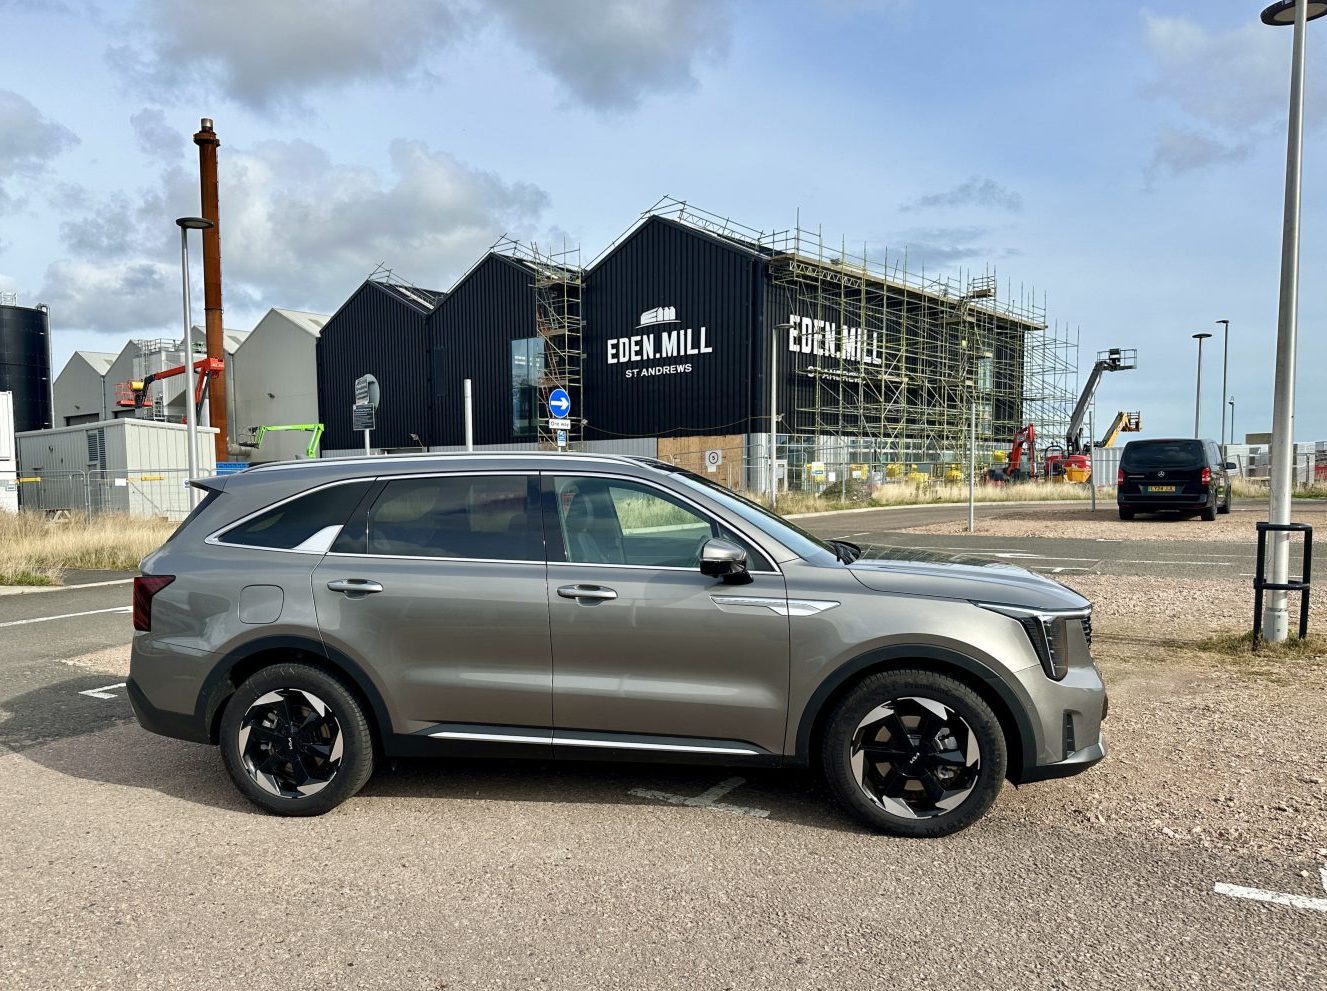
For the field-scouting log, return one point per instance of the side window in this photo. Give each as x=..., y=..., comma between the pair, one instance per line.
x=309, y=522
x=492, y=517
x=611, y=521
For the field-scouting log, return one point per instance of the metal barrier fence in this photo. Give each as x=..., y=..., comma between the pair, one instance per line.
x=153, y=492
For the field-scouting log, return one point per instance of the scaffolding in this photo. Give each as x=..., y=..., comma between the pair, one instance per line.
x=557, y=284
x=896, y=362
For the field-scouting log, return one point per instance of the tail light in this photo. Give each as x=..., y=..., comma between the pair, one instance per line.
x=1206, y=478
x=145, y=589
x=1119, y=477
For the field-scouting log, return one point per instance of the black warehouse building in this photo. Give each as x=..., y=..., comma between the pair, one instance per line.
x=666, y=344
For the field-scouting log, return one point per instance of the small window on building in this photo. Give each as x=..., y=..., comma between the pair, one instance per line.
x=310, y=522
x=527, y=365
x=488, y=517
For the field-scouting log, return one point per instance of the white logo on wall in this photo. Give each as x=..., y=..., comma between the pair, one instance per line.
x=827, y=339
x=663, y=337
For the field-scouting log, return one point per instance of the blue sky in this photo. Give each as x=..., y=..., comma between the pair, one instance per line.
x=1125, y=159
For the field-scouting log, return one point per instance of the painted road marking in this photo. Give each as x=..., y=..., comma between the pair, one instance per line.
x=708, y=799
x=68, y=615
x=1277, y=897
x=104, y=692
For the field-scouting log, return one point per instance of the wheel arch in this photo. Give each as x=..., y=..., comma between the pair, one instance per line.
x=1019, y=732
x=264, y=652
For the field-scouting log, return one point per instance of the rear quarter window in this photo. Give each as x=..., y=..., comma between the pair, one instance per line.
x=288, y=525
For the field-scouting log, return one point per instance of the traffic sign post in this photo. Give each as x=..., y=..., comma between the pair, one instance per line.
x=559, y=416
x=562, y=439
x=713, y=458
x=363, y=415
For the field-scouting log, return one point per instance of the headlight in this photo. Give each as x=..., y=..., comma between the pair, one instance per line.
x=1048, y=632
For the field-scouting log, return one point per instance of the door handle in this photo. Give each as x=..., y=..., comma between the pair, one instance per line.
x=360, y=586
x=597, y=592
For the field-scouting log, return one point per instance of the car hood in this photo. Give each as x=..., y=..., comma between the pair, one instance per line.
x=908, y=571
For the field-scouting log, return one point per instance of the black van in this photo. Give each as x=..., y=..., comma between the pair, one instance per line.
x=1173, y=474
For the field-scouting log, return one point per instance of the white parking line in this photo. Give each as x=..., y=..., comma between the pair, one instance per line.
x=707, y=799
x=35, y=589
x=104, y=692
x=68, y=615
x=1275, y=897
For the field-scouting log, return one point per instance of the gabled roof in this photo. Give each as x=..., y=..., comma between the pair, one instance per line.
x=310, y=323
x=100, y=361
x=423, y=300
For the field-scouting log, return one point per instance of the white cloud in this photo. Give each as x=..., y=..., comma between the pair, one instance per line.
x=611, y=54
x=976, y=192
x=155, y=136
x=1180, y=150
x=267, y=55
x=298, y=230
x=28, y=141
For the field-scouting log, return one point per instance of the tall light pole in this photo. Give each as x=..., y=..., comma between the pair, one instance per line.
x=1225, y=370
x=1198, y=388
x=772, y=441
x=1276, y=619
x=1232, y=419
x=187, y=224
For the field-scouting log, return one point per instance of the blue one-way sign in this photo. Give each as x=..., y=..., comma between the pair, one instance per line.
x=559, y=403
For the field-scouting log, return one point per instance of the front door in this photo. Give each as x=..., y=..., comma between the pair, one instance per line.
x=438, y=588
x=648, y=653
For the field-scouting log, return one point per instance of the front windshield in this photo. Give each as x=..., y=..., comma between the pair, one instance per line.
x=797, y=540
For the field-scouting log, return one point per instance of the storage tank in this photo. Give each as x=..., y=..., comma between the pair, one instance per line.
x=25, y=363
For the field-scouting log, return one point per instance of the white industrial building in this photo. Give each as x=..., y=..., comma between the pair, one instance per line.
x=273, y=379
x=8, y=455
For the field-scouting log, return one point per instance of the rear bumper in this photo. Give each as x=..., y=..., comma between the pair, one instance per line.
x=1130, y=500
x=1076, y=763
x=178, y=725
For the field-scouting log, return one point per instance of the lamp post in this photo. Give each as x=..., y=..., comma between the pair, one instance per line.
x=1225, y=370
x=187, y=224
x=1198, y=388
x=1275, y=623
x=1232, y=419
x=772, y=441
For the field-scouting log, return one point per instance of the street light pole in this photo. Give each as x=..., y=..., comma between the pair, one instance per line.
x=1232, y=419
x=1225, y=370
x=1276, y=620
x=772, y=441
x=1198, y=388
x=186, y=224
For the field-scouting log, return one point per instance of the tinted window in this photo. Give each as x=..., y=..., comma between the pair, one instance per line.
x=797, y=540
x=290, y=524
x=458, y=516
x=1145, y=454
x=611, y=521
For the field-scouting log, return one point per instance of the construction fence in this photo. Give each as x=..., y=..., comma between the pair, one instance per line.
x=161, y=493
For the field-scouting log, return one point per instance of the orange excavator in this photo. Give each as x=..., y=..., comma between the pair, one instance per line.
x=134, y=395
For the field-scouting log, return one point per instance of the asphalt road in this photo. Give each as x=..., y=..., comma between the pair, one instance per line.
x=129, y=861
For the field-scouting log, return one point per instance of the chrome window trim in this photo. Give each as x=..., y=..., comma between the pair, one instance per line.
x=214, y=538
x=421, y=557
x=703, y=510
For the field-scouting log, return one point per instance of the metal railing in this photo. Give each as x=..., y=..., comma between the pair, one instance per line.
x=162, y=493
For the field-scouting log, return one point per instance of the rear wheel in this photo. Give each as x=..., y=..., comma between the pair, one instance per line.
x=295, y=741
x=1224, y=508
x=1208, y=513
x=1126, y=513
x=914, y=753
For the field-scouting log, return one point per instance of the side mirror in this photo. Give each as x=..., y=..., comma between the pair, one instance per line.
x=1230, y=466
x=723, y=559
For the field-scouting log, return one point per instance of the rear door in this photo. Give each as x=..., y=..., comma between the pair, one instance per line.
x=1161, y=472
x=437, y=586
x=648, y=653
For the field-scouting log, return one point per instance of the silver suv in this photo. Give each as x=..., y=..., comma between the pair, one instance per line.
x=314, y=618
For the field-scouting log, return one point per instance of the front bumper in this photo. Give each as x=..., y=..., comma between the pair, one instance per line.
x=1076, y=763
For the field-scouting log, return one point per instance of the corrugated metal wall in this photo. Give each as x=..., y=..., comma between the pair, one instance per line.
x=379, y=333
x=25, y=364
x=689, y=370
x=470, y=335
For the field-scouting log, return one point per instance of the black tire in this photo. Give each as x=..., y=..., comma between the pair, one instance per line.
x=945, y=745
x=1224, y=508
x=332, y=750
x=1126, y=513
x=1208, y=513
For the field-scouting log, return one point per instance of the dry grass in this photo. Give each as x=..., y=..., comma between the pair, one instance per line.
x=37, y=551
x=904, y=494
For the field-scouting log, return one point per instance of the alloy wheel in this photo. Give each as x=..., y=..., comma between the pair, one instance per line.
x=915, y=757
x=290, y=743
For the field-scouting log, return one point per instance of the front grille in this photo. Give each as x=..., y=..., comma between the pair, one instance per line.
x=1087, y=630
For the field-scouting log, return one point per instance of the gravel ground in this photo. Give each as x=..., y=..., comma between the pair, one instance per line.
x=1105, y=524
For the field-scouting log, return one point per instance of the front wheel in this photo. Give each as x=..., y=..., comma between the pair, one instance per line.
x=295, y=741
x=914, y=753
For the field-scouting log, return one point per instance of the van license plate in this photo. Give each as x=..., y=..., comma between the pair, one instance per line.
x=1160, y=488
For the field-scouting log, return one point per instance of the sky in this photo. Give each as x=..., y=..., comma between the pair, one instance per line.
x=1127, y=161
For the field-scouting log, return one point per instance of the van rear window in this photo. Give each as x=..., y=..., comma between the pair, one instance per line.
x=1163, y=454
